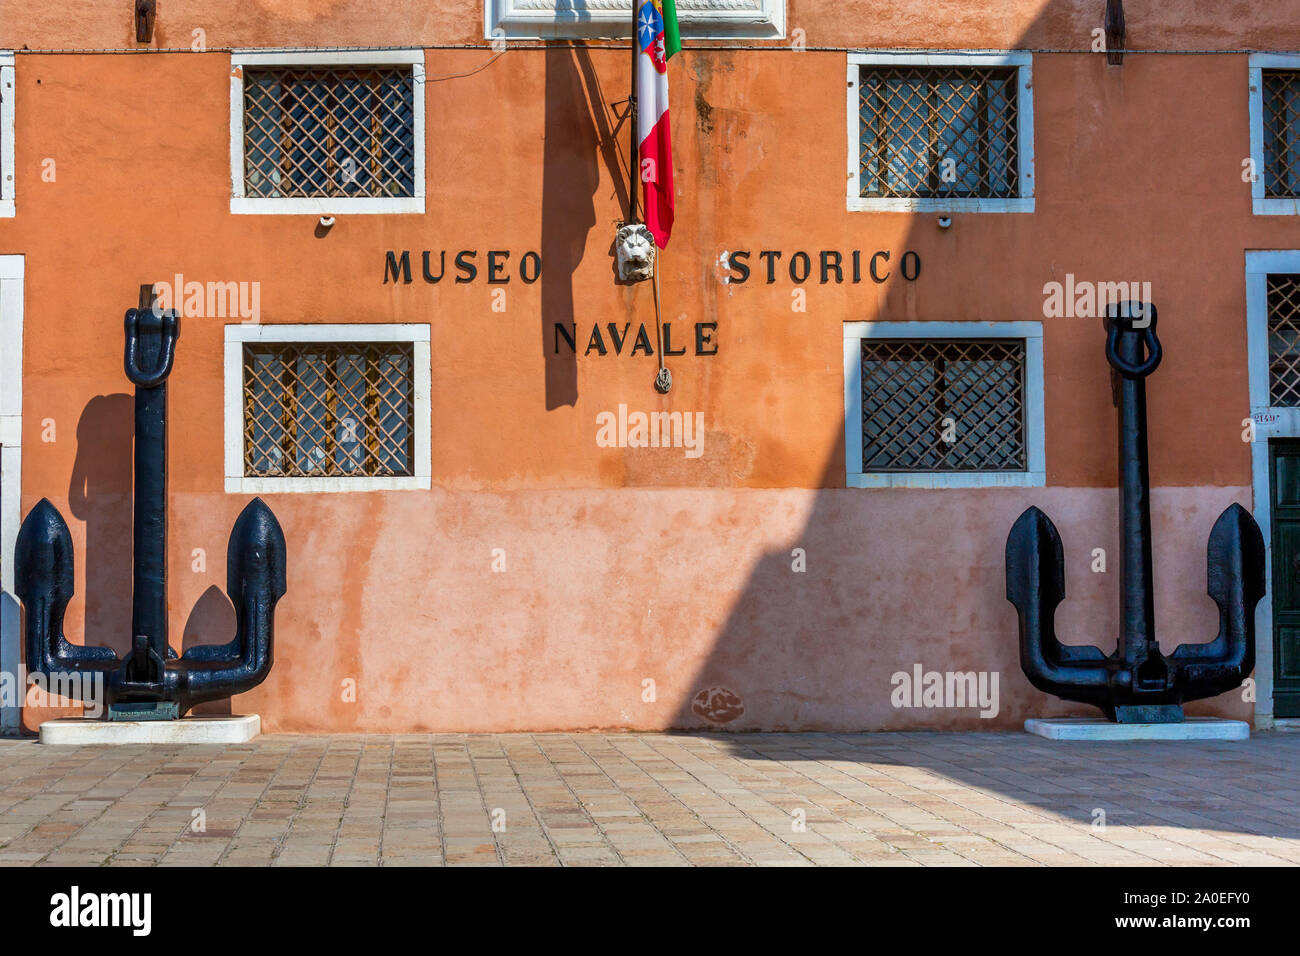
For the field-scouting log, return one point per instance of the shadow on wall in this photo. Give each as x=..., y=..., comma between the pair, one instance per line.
x=581, y=131
x=897, y=578
x=211, y=621
x=100, y=495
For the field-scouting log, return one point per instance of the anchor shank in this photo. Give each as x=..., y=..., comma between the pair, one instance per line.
x=149, y=516
x=1137, y=613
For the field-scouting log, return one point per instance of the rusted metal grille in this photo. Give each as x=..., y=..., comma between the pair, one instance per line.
x=1281, y=95
x=320, y=410
x=939, y=133
x=943, y=405
x=1284, y=339
x=329, y=132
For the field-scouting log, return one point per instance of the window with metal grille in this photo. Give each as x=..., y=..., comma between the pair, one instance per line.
x=329, y=132
x=1281, y=114
x=328, y=409
x=943, y=405
x=1284, y=340
x=939, y=132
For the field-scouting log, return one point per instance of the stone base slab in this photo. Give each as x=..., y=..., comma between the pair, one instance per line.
x=1099, y=728
x=187, y=730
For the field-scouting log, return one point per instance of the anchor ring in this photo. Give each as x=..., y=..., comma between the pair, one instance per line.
x=168, y=326
x=1129, y=369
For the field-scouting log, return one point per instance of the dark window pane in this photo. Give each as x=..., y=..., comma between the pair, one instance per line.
x=329, y=410
x=935, y=405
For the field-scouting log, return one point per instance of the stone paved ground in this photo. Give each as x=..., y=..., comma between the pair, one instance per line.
x=649, y=799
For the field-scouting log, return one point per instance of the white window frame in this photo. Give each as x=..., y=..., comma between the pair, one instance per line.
x=7, y=182
x=1269, y=422
x=239, y=335
x=1034, y=476
x=1024, y=133
x=11, y=461
x=242, y=204
x=612, y=19
x=1259, y=62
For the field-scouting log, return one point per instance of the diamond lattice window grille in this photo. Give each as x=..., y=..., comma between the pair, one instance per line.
x=1284, y=340
x=943, y=405
x=1281, y=99
x=329, y=410
x=939, y=132
x=339, y=131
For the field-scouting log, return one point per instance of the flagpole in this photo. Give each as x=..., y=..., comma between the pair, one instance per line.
x=634, y=161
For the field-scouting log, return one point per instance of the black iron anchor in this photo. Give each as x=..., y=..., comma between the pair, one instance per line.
x=151, y=682
x=1138, y=683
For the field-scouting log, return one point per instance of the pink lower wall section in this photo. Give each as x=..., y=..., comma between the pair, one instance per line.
x=603, y=590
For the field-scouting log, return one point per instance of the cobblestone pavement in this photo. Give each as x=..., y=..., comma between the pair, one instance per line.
x=652, y=799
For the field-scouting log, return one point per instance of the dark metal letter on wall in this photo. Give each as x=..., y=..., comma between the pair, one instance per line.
x=151, y=683
x=1138, y=683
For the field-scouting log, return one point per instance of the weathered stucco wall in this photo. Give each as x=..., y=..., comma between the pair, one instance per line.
x=949, y=24
x=626, y=565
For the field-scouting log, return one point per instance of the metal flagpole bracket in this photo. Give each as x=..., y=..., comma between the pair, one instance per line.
x=664, y=378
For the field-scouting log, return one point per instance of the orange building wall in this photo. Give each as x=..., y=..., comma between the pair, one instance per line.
x=627, y=565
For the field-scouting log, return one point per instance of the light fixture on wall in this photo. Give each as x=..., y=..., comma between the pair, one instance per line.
x=144, y=17
x=1115, y=32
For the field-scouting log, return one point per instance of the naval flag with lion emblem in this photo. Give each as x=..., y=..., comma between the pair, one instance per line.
x=657, y=39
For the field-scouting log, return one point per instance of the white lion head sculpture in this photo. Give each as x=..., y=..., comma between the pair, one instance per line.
x=635, y=247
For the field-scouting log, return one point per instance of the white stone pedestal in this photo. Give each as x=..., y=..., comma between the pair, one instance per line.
x=187, y=730
x=1099, y=728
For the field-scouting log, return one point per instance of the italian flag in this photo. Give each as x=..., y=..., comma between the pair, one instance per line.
x=657, y=39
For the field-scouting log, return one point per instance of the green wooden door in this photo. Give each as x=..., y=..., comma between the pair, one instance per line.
x=1284, y=461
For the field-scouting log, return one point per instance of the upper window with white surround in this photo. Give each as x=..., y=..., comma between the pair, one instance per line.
x=944, y=132
x=943, y=404
x=611, y=19
x=6, y=134
x=327, y=407
x=1274, y=165
x=327, y=132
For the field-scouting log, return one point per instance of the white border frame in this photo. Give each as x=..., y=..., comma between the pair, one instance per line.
x=609, y=19
x=1024, y=133
x=1035, y=429
x=241, y=204
x=11, y=459
x=237, y=335
x=1270, y=422
x=8, y=208
x=1259, y=62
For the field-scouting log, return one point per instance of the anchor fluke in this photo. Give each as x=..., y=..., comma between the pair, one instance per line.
x=1036, y=586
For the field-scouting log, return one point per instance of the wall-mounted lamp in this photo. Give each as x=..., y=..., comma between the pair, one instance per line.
x=144, y=17
x=1115, y=32
x=945, y=222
